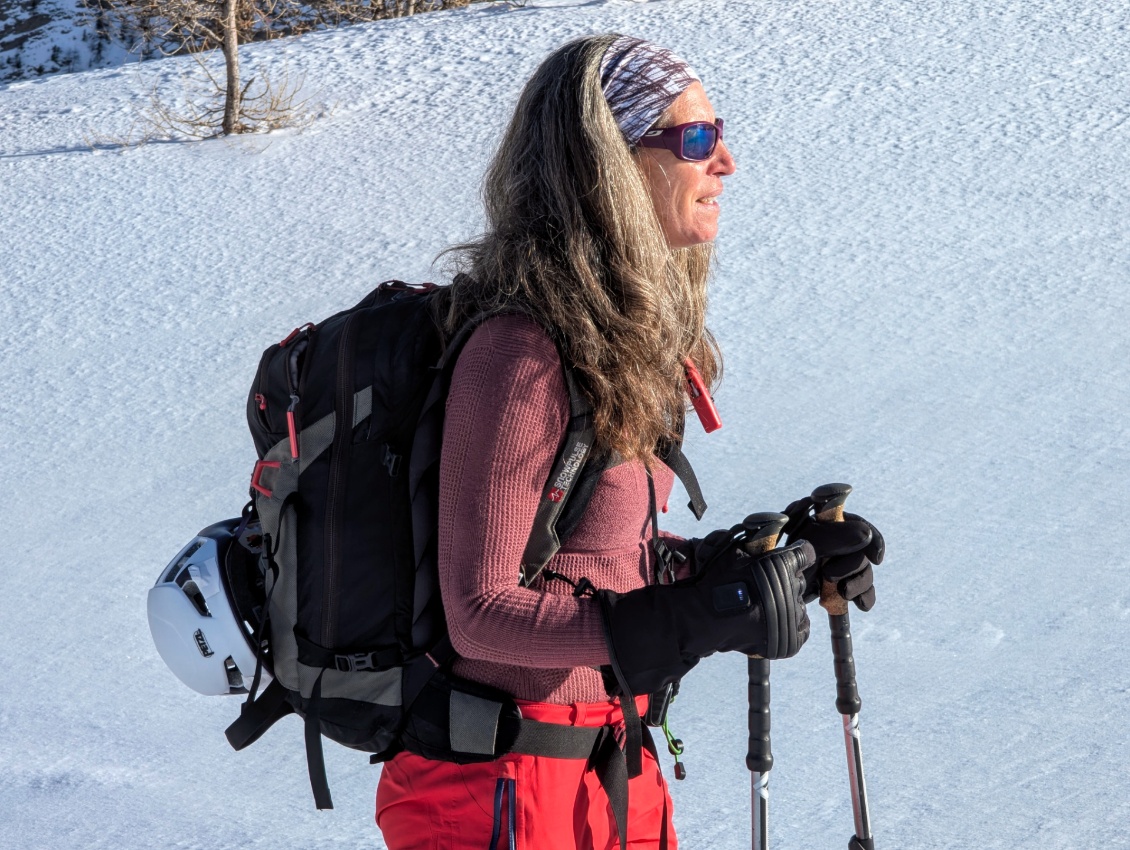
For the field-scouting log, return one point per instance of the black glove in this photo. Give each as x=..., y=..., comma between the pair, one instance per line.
x=747, y=603
x=845, y=553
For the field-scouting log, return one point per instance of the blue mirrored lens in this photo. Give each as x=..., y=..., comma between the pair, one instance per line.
x=699, y=140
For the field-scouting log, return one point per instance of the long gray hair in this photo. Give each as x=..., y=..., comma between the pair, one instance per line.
x=573, y=240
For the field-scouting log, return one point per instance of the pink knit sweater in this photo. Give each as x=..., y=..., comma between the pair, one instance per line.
x=506, y=414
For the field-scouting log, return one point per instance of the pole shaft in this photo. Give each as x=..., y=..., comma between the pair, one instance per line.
x=848, y=704
x=759, y=807
x=759, y=758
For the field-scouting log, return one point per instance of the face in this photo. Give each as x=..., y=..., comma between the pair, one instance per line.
x=685, y=194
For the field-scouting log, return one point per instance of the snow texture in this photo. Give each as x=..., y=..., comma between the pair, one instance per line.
x=921, y=290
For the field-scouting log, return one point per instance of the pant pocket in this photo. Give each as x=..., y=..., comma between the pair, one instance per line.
x=505, y=805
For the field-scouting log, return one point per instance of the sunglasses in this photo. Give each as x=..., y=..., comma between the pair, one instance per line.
x=693, y=142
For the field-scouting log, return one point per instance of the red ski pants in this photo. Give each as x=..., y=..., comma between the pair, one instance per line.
x=520, y=802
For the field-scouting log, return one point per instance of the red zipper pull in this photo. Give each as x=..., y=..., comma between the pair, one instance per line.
x=290, y=337
x=262, y=400
x=700, y=398
x=291, y=427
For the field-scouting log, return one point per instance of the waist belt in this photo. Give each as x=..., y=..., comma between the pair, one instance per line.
x=454, y=720
x=600, y=747
x=597, y=744
x=553, y=740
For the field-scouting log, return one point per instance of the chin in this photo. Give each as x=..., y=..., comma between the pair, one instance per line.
x=691, y=240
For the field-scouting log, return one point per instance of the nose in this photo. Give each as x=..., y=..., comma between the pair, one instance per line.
x=722, y=162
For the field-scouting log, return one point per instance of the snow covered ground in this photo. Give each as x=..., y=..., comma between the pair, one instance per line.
x=40, y=37
x=922, y=290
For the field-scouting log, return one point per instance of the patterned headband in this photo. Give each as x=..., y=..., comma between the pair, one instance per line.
x=640, y=80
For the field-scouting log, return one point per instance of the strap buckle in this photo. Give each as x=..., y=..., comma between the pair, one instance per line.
x=666, y=559
x=391, y=461
x=355, y=662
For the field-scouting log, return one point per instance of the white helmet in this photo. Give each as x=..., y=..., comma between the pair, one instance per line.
x=203, y=613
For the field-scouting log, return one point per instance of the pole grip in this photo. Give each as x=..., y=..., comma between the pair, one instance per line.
x=761, y=533
x=847, y=694
x=828, y=503
x=759, y=757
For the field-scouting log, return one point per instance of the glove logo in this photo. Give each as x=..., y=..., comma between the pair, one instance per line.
x=202, y=644
x=556, y=494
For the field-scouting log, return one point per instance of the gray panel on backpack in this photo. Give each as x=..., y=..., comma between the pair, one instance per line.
x=473, y=723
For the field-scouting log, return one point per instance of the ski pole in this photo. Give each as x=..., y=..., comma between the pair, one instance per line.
x=829, y=504
x=761, y=535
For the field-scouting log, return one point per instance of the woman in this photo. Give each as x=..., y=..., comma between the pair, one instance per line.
x=602, y=204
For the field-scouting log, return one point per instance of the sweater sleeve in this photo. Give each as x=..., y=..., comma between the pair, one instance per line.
x=506, y=415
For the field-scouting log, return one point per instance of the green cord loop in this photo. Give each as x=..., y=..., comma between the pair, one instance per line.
x=674, y=747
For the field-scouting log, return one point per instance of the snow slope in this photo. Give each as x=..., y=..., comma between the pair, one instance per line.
x=921, y=290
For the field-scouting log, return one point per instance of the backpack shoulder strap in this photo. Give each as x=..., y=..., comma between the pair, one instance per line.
x=574, y=477
x=566, y=486
x=423, y=489
x=580, y=434
x=575, y=472
x=671, y=453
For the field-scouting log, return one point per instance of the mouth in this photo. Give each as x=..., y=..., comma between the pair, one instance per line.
x=712, y=201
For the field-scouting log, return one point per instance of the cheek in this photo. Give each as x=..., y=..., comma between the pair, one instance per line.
x=663, y=194
x=688, y=201
x=676, y=196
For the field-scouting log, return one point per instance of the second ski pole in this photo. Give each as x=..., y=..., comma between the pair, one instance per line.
x=829, y=506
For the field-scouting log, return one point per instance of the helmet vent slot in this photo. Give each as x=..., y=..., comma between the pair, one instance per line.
x=181, y=562
x=192, y=591
x=235, y=678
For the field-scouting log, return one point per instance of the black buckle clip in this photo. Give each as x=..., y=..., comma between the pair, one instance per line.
x=666, y=559
x=391, y=461
x=355, y=662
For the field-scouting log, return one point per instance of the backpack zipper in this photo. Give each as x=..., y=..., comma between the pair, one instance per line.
x=293, y=373
x=339, y=464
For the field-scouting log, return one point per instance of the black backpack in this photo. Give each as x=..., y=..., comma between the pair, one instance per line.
x=347, y=419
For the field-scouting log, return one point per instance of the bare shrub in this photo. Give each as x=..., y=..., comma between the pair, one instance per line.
x=269, y=101
x=266, y=102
